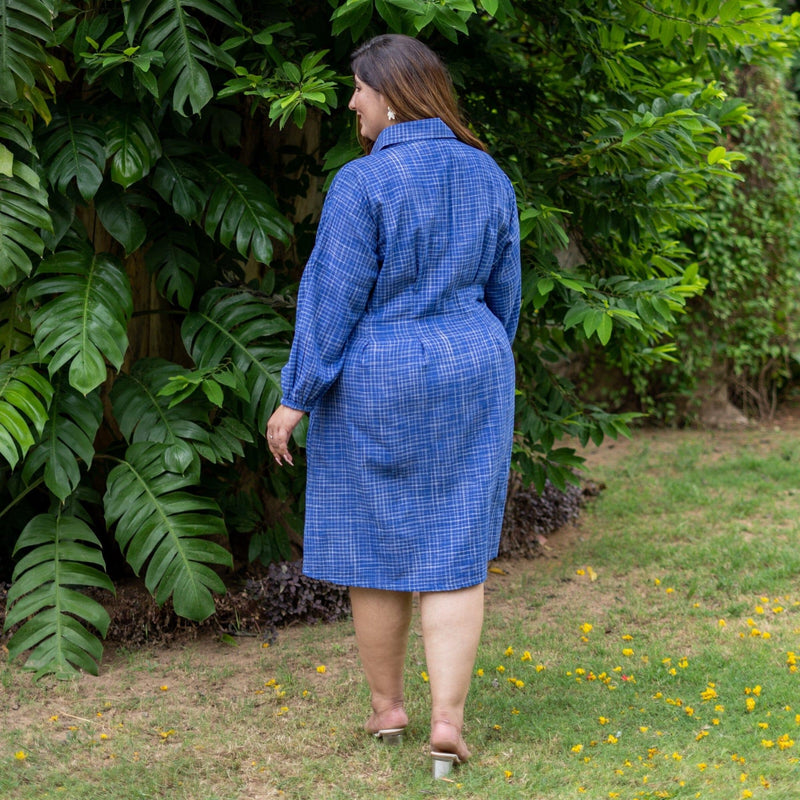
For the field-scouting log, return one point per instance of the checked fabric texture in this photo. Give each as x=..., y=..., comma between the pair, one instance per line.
x=402, y=356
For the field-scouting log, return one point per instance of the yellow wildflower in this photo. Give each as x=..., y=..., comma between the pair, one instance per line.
x=526, y=656
x=424, y=676
x=20, y=755
x=577, y=748
x=479, y=673
x=321, y=669
x=627, y=652
x=509, y=651
x=750, y=703
x=586, y=627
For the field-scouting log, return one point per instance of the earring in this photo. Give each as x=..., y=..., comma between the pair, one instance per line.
x=390, y=113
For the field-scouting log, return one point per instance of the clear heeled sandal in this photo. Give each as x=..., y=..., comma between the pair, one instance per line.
x=392, y=736
x=443, y=763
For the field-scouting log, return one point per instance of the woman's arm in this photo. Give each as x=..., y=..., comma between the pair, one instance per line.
x=503, y=290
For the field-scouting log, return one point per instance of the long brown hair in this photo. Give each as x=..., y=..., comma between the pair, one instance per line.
x=414, y=81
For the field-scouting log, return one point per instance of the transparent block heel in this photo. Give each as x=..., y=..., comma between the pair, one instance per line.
x=443, y=763
x=392, y=736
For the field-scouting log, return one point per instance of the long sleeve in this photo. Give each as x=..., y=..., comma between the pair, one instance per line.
x=503, y=289
x=334, y=292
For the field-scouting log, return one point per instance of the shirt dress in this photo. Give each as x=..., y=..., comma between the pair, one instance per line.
x=402, y=356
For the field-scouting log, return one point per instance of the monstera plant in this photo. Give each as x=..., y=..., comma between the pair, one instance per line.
x=121, y=195
x=161, y=165
x=141, y=335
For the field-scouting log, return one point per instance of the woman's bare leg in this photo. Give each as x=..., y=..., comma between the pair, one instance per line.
x=451, y=629
x=382, y=620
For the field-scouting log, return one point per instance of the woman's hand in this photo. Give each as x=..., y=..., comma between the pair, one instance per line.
x=279, y=429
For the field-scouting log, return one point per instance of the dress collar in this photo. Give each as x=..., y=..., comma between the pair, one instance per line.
x=432, y=128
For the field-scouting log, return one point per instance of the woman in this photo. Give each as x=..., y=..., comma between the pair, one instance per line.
x=402, y=358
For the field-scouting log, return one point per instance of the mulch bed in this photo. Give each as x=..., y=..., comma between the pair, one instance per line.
x=266, y=598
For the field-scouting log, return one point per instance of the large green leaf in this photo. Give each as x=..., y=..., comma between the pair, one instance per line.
x=23, y=212
x=241, y=210
x=241, y=327
x=133, y=147
x=63, y=556
x=170, y=28
x=73, y=148
x=179, y=180
x=86, y=322
x=174, y=259
x=161, y=525
x=144, y=415
x=24, y=25
x=68, y=439
x=15, y=327
x=24, y=399
x=116, y=210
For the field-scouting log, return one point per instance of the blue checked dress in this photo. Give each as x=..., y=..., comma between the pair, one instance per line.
x=402, y=355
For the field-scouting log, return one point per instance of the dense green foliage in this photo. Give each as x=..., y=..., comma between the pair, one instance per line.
x=743, y=333
x=157, y=202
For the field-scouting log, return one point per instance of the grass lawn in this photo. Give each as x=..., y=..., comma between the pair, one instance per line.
x=651, y=654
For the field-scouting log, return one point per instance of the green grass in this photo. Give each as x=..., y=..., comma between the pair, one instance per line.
x=620, y=666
